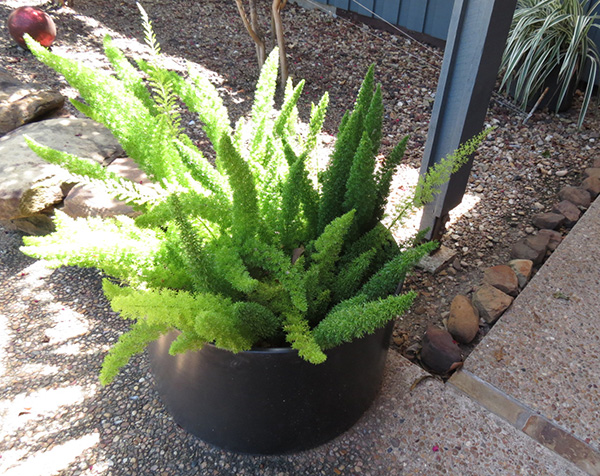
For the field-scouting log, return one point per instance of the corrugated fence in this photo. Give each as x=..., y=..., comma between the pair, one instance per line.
x=431, y=17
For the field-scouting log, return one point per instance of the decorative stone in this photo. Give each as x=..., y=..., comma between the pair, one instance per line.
x=554, y=238
x=502, y=277
x=22, y=103
x=538, y=243
x=439, y=352
x=569, y=211
x=463, y=321
x=596, y=163
x=592, y=185
x=523, y=269
x=576, y=195
x=85, y=200
x=491, y=302
x=549, y=221
x=532, y=248
x=437, y=260
x=28, y=185
x=592, y=172
x=520, y=250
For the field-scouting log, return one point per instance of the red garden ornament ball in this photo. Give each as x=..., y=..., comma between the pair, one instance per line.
x=33, y=21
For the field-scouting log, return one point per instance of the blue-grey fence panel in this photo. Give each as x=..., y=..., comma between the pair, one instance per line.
x=437, y=19
x=388, y=10
x=363, y=7
x=423, y=16
x=343, y=4
x=412, y=14
x=431, y=17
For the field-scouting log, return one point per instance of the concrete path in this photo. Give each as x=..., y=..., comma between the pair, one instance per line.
x=539, y=367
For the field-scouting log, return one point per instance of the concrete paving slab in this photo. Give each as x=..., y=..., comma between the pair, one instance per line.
x=544, y=352
x=435, y=429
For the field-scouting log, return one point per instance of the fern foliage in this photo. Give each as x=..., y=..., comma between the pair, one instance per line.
x=257, y=248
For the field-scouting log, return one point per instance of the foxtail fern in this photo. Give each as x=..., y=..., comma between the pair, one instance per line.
x=257, y=248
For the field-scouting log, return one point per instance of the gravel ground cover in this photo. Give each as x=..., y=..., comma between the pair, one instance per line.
x=58, y=320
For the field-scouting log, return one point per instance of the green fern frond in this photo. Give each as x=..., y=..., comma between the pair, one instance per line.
x=91, y=172
x=149, y=35
x=361, y=193
x=128, y=74
x=350, y=277
x=298, y=334
x=440, y=173
x=245, y=219
x=201, y=97
x=328, y=246
x=272, y=260
x=335, y=177
x=196, y=258
x=265, y=88
x=281, y=126
x=365, y=93
x=387, y=279
x=385, y=175
x=115, y=246
x=129, y=344
x=229, y=264
x=349, y=322
x=257, y=320
x=114, y=105
x=374, y=120
x=317, y=118
x=203, y=171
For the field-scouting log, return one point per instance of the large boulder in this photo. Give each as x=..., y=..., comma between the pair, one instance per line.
x=30, y=187
x=22, y=103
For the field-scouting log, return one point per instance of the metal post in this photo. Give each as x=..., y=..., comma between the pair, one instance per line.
x=476, y=40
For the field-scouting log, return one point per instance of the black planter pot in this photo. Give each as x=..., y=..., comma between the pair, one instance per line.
x=550, y=99
x=269, y=401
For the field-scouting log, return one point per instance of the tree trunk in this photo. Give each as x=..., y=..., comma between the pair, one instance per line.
x=253, y=28
x=276, y=8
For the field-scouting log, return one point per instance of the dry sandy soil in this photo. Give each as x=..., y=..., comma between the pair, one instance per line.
x=517, y=172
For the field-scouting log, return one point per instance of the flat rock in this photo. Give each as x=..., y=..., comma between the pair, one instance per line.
x=554, y=238
x=592, y=185
x=502, y=277
x=538, y=242
x=491, y=302
x=520, y=250
x=29, y=185
x=22, y=103
x=592, y=172
x=569, y=211
x=463, y=321
x=439, y=352
x=523, y=269
x=578, y=196
x=549, y=220
x=437, y=260
x=531, y=248
x=85, y=200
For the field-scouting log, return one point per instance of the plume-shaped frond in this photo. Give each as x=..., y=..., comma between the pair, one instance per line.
x=128, y=74
x=245, y=219
x=356, y=318
x=298, y=334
